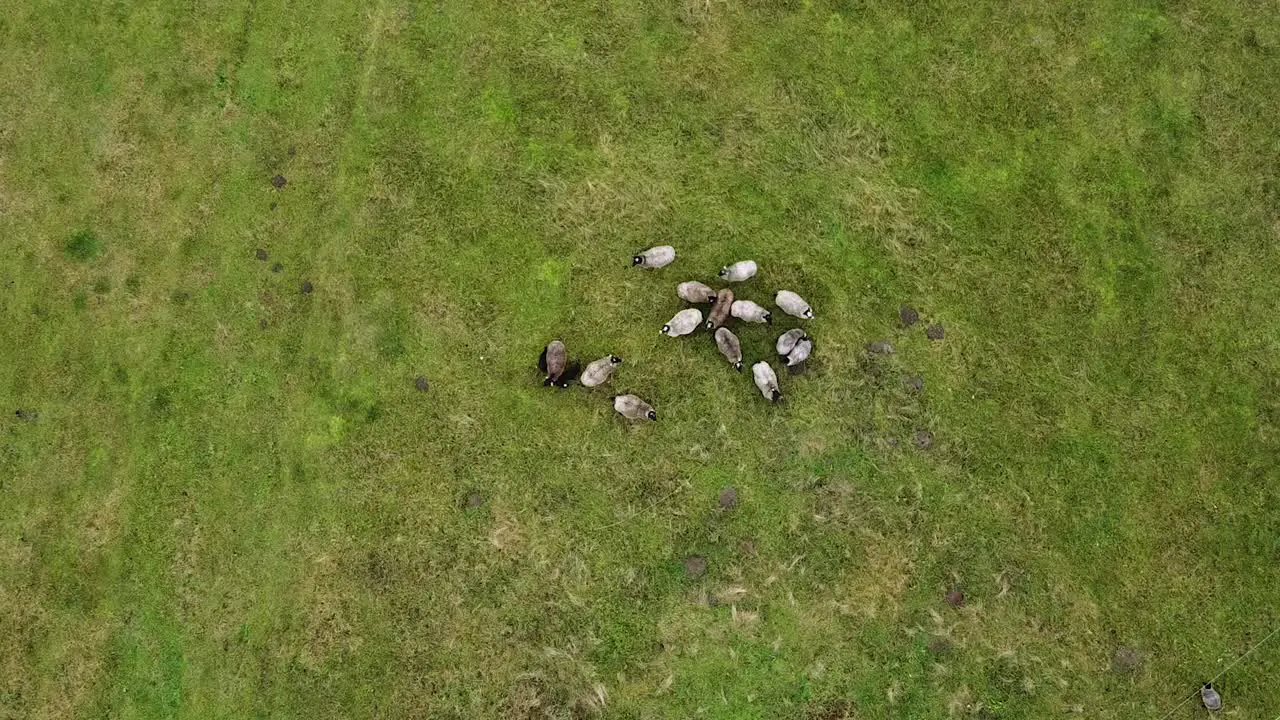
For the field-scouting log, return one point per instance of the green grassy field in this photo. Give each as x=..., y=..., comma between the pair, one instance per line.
x=221, y=497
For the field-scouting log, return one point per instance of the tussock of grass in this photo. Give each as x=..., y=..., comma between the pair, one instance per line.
x=83, y=245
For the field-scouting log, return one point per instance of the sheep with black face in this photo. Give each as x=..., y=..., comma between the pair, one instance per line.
x=683, y=323
x=720, y=309
x=750, y=312
x=730, y=347
x=695, y=292
x=554, y=361
x=793, y=304
x=599, y=371
x=787, y=341
x=766, y=381
x=739, y=271
x=655, y=257
x=632, y=407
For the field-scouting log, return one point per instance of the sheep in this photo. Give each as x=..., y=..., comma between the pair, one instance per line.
x=750, y=312
x=553, y=361
x=1210, y=697
x=633, y=408
x=695, y=292
x=655, y=257
x=739, y=271
x=729, y=347
x=598, y=372
x=787, y=341
x=683, y=323
x=799, y=353
x=720, y=310
x=767, y=380
x=792, y=304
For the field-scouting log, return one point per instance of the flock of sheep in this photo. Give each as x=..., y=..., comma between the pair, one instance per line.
x=793, y=346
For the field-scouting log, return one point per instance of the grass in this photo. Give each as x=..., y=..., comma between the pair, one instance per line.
x=226, y=498
x=83, y=245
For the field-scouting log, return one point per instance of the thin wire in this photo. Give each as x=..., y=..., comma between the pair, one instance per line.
x=1224, y=671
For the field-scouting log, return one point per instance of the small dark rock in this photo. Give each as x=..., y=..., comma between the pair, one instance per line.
x=955, y=597
x=474, y=500
x=277, y=267
x=923, y=439
x=261, y=254
x=1126, y=659
x=695, y=566
x=939, y=646
x=880, y=347
x=262, y=324
x=278, y=182
x=729, y=498
x=914, y=382
x=307, y=287
x=908, y=315
x=421, y=383
x=935, y=332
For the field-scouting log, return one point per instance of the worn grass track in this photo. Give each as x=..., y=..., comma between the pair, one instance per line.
x=224, y=497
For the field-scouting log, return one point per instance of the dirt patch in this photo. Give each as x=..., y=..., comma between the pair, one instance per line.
x=914, y=382
x=279, y=181
x=277, y=268
x=935, y=332
x=307, y=288
x=955, y=597
x=293, y=150
x=695, y=566
x=473, y=500
x=729, y=498
x=748, y=547
x=908, y=316
x=1126, y=659
x=421, y=383
x=923, y=439
x=880, y=347
x=26, y=414
x=261, y=254
x=262, y=324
